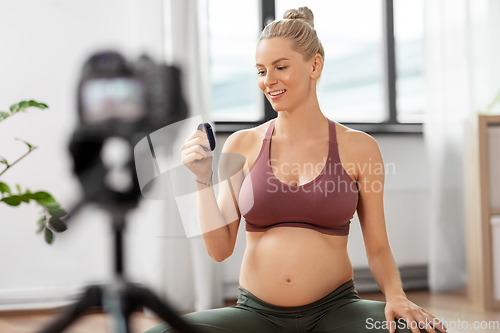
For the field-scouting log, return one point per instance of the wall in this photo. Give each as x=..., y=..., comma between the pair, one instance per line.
x=44, y=44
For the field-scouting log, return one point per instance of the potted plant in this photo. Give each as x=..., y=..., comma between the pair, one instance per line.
x=52, y=212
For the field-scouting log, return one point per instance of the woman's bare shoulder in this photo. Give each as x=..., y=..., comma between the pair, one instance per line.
x=356, y=142
x=353, y=137
x=245, y=145
x=243, y=141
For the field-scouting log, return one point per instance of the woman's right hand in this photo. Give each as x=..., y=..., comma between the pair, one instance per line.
x=195, y=158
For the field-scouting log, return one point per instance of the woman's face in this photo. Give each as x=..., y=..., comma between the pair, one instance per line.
x=283, y=74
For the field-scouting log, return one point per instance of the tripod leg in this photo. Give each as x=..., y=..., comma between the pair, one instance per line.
x=143, y=296
x=118, y=303
x=92, y=297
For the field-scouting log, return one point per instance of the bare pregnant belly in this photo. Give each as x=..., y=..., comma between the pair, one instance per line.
x=294, y=266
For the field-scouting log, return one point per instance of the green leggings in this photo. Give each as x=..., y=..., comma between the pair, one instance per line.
x=342, y=311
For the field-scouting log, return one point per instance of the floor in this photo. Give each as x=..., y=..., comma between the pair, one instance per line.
x=450, y=306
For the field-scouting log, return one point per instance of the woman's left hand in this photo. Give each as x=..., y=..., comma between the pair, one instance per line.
x=415, y=316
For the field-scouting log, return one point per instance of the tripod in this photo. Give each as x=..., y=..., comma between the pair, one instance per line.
x=119, y=299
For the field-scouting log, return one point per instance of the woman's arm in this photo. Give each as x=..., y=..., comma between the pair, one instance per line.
x=219, y=219
x=371, y=173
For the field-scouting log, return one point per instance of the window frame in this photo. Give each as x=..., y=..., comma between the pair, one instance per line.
x=390, y=125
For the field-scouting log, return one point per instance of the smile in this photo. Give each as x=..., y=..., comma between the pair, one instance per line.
x=276, y=94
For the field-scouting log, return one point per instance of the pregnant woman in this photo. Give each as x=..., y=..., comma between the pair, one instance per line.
x=304, y=179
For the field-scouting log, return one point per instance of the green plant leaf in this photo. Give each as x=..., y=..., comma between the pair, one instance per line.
x=4, y=188
x=3, y=160
x=57, y=212
x=41, y=224
x=24, y=104
x=25, y=198
x=29, y=146
x=49, y=235
x=41, y=195
x=51, y=206
x=38, y=105
x=4, y=114
x=19, y=188
x=57, y=224
x=13, y=200
x=42, y=220
x=40, y=229
x=45, y=199
x=21, y=106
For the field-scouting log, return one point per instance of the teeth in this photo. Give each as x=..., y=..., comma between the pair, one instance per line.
x=274, y=93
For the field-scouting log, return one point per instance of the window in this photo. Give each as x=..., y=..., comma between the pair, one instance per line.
x=373, y=74
x=350, y=88
x=234, y=31
x=408, y=34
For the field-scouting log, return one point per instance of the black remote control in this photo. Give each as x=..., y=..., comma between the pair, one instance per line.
x=210, y=135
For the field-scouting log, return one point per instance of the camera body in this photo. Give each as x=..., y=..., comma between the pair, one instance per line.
x=118, y=99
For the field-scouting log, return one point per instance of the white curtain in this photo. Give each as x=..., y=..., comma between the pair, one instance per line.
x=181, y=272
x=462, y=52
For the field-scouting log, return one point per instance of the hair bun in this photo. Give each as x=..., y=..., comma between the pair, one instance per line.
x=301, y=13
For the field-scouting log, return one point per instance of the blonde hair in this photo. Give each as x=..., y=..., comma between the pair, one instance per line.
x=297, y=25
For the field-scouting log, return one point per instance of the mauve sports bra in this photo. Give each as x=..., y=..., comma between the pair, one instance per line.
x=325, y=204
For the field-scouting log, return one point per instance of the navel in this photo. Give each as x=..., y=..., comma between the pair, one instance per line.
x=288, y=279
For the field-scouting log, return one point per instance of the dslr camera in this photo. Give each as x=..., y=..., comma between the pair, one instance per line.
x=126, y=101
